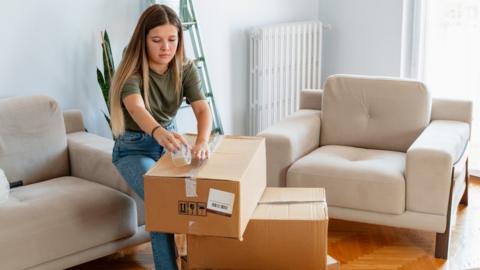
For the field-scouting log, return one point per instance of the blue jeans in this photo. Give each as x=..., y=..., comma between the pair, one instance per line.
x=134, y=154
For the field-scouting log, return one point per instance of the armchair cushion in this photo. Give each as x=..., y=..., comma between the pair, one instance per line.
x=33, y=143
x=375, y=113
x=356, y=178
x=57, y=219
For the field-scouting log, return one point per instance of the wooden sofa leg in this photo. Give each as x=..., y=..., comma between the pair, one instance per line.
x=442, y=242
x=464, y=199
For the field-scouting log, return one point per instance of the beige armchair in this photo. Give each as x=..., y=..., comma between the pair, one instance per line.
x=73, y=206
x=385, y=152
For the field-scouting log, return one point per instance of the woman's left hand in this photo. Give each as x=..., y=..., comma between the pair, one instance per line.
x=200, y=151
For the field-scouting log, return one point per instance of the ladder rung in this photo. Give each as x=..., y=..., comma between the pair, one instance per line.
x=189, y=23
x=216, y=131
x=199, y=59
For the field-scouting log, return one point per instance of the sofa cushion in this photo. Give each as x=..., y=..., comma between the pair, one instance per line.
x=33, y=142
x=356, y=178
x=376, y=113
x=59, y=217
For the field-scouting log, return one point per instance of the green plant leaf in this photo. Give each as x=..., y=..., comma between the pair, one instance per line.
x=108, y=120
x=103, y=87
x=100, y=79
x=108, y=65
x=109, y=53
x=105, y=79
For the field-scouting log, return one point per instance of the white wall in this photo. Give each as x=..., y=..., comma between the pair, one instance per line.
x=366, y=37
x=224, y=25
x=52, y=47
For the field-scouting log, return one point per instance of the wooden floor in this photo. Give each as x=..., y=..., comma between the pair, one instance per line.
x=362, y=246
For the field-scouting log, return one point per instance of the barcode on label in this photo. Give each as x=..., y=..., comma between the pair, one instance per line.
x=217, y=205
x=220, y=202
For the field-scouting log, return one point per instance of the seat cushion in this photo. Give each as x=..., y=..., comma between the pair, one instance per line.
x=357, y=178
x=33, y=142
x=58, y=217
x=374, y=112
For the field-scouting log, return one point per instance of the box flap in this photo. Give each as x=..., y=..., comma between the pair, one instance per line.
x=279, y=203
x=316, y=211
x=230, y=160
x=278, y=195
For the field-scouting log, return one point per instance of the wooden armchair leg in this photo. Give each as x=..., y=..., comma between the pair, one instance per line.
x=442, y=242
x=464, y=199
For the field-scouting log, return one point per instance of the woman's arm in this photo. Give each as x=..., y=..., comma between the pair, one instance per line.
x=204, y=128
x=136, y=108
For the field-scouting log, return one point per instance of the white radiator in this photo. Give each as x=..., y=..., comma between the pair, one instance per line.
x=284, y=59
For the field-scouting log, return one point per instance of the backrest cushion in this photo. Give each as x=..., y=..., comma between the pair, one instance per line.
x=33, y=142
x=374, y=112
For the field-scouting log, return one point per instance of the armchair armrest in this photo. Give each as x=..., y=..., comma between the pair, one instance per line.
x=289, y=140
x=73, y=121
x=311, y=99
x=455, y=110
x=429, y=165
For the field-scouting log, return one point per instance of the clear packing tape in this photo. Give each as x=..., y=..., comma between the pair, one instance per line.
x=184, y=157
x=191, y=180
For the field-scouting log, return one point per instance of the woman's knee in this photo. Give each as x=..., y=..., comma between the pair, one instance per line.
x=132, y=169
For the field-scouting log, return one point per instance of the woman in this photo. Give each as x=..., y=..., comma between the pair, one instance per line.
x=146, y=92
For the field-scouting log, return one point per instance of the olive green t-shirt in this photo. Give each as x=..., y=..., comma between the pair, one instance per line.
x=164, y=101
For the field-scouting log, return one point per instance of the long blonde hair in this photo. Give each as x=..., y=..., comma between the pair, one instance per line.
x=135, y=61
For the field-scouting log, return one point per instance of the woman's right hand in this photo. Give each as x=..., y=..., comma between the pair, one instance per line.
x=170, y=140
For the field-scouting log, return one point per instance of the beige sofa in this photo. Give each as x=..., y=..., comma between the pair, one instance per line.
x=385, y=152
x=73, y=206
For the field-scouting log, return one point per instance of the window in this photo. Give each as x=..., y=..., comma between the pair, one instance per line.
x=449, y=60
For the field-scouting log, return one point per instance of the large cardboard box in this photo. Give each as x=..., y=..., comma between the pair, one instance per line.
x=287, y=231
x=332, y=264
x=216, y=198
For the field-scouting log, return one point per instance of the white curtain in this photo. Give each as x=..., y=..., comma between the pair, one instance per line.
x=449, y=56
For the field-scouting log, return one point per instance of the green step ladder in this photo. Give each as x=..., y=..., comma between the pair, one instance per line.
x=190, y=24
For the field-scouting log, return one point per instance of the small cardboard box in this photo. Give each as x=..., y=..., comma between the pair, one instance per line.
x=216, y=198
x=287, y=231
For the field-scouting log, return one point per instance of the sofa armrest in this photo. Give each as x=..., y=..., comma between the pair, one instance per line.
x=289, y=140
x=429, y=165
x=91, y=159
x=311, y=99
x=73, y=121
